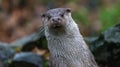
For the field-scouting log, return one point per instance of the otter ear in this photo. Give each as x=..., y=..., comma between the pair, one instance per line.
x=68, y=10
x=43, y=15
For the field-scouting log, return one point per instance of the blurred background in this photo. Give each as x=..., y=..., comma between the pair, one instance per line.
x=20, y=19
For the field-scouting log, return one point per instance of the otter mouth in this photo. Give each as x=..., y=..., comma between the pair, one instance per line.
x=57, y=26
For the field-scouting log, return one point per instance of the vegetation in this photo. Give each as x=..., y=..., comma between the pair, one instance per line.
x=21, y=18
x=110, y=16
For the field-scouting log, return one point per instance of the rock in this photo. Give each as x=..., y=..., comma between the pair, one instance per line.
x=25, y=59
x=106, y=47
x=33, y=37
x=6, y=53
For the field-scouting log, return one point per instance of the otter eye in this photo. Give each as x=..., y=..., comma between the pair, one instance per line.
x=48, y=17
x=62, y=15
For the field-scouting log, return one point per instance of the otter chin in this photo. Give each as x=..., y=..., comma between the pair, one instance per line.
x=57, y=26
x=57, y=29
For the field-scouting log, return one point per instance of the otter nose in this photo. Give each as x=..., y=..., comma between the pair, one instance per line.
x=56, y=20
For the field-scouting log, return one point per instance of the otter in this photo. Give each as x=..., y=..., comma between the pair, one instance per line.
x=65, y=43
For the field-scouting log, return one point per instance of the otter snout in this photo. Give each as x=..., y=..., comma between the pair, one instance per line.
x=56, y=22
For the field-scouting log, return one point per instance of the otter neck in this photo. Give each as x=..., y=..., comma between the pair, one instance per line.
x=72, y=48
x=69, y=48
x=70, y=41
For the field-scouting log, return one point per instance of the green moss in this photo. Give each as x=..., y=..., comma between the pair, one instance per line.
x=109, y=17
x=80, y=16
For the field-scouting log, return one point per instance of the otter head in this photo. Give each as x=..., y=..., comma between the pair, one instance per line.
x=56, y=19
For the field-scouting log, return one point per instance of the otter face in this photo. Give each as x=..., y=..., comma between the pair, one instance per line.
x=55, y=19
